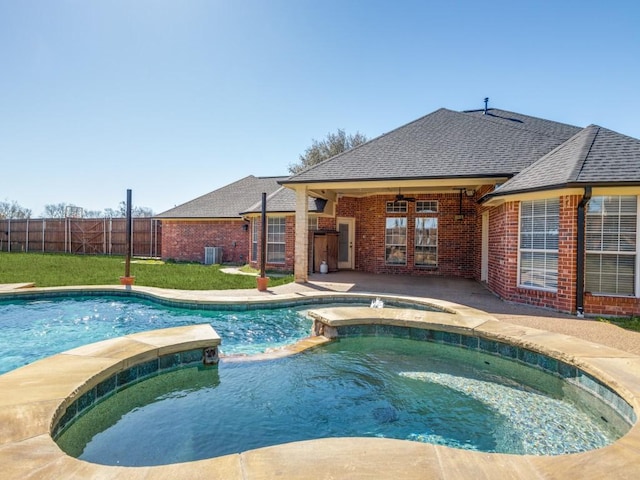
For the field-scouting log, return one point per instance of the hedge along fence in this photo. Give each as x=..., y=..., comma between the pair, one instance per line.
x=103, y=236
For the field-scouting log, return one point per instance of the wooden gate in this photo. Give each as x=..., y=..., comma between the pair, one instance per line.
x=87, y=235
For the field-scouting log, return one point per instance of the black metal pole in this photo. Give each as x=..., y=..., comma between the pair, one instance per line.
x=263, y=240
x=127, y=261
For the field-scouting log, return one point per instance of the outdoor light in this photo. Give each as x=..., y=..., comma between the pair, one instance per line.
x=470, y=193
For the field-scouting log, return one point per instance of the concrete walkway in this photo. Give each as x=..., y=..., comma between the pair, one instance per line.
x=472, y=294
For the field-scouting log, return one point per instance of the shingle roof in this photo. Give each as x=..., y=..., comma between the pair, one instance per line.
x=284, y=200
x=594, y=155
x=613, y=158
x=228, y=201
x=446, y=144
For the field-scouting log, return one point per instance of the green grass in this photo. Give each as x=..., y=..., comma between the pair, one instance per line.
x=53, y=270
x=628, y=323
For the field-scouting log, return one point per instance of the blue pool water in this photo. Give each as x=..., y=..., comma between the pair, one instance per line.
x=31, y=330
x=373, y=387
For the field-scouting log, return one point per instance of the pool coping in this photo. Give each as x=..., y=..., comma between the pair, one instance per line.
x=31, y=400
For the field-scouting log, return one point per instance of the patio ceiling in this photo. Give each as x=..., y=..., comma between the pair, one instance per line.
x=329, y=190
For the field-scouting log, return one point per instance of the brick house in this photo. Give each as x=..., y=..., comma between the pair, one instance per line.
x=230, y=218
x=543, y=212
x=214, y=220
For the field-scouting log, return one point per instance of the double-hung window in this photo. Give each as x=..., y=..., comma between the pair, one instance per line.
x=538, y=265
x=611, y=245
x=276, y=228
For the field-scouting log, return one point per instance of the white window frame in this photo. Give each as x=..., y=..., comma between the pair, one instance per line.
x=421, y=206
x=276, y=236
x=399, y=206
x=388, y=246
x=429, y=244
x=548, y=253
x=255, y=234
x=604, y=249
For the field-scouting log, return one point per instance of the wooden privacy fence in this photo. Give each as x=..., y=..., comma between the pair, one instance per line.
x=104, y=236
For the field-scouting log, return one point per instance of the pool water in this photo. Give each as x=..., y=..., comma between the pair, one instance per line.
x=32, y=330
x=367, y=386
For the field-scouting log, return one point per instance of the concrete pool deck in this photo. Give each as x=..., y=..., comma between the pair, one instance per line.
x=30, y=397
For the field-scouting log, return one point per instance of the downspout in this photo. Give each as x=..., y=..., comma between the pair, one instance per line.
x=580, y=252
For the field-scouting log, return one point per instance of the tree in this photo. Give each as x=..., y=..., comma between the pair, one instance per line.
x=135, y=211
x=332, y=145
x=54, y=210
x=93, y=214
x=61, y=210
x=13, y=210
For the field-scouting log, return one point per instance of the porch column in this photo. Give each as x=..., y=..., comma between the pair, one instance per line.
x=301, y=258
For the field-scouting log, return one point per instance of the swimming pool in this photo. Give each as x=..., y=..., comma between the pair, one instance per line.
x=609, y=374
x=366, y=386
x=36, y=329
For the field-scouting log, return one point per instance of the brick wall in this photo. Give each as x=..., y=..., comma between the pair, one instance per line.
x=459, y=247
x=567, y=253
x=290, y=244
x=503, y=249
x=503, y=261
x=458, y=238
x=503, y=258
x=611, y=306
x=185, y=240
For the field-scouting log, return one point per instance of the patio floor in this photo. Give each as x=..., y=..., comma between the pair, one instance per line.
x=472, y=294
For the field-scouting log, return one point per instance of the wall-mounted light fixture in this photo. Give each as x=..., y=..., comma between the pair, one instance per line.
x=245, y=226
x=469, y=193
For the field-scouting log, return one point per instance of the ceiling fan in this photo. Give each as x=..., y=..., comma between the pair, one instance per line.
x=401, y=198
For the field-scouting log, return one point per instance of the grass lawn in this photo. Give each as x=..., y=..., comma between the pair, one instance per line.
x=632, y=323
x=53, y=270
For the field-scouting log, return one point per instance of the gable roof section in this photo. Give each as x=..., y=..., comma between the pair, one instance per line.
x=613, y=158
x=595, y=155
x=228, y=201
x=446, y=144
x=284, y=200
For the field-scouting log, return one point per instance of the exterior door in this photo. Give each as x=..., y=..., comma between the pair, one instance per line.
x=346, y=238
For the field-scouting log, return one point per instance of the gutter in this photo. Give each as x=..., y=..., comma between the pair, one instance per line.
x=580, y=252
x=311, y=182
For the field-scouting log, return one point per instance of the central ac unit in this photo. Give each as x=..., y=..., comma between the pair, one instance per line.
x=212, y=255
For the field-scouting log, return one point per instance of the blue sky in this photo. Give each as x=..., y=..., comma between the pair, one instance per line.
x=174, y=99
